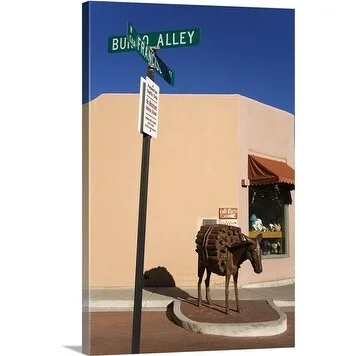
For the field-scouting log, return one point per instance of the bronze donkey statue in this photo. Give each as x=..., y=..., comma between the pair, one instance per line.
x=221, y=250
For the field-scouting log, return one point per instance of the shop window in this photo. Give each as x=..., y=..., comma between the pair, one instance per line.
x=268, y=210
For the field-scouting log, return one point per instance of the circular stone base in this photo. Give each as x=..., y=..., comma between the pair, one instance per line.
x=256, y=318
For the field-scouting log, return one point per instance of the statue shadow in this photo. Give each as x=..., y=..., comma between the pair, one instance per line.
x=158, y=280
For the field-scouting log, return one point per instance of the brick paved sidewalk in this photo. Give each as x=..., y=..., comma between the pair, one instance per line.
x=111, y=335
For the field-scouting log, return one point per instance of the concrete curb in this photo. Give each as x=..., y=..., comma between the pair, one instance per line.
x=284, y=303
x=125, y=305
x=279, y=283
x=266, y=328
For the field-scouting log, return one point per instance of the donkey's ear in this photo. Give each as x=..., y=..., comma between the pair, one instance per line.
x=259, y=238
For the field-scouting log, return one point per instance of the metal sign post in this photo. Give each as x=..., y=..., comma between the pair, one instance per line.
x=141, y=234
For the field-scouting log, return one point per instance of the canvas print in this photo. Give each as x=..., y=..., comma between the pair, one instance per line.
x=188, y=178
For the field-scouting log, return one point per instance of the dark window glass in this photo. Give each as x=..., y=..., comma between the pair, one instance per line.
x=266, y=214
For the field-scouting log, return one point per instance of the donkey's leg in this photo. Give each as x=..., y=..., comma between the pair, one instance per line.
x=236, y=275
x=201, y=269
x=207, y=286
x=227, y=281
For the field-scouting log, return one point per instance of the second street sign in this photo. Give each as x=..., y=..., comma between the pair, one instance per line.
x=163, y=39
x=136, y=42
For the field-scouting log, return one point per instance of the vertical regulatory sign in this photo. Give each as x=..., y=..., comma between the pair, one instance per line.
x=150, y=108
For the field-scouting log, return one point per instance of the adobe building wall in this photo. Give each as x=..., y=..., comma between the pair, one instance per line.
x=196, y=166
x=191, y=176
x=267, y=132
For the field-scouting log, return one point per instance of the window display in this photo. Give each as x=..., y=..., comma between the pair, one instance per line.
x=266, y=214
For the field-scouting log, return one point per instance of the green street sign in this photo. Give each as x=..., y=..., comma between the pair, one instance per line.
x=148, y=55
x=163, y=39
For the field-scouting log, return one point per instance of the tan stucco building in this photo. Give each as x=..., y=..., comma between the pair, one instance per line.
x=197, y=165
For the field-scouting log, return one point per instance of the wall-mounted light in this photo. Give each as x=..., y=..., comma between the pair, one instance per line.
x=245, y=182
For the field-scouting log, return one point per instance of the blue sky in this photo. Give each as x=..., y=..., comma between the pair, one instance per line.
x=242, y=50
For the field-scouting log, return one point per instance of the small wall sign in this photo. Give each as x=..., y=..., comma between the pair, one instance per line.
x=227, y=213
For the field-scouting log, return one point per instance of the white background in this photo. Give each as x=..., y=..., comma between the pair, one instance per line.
x=40, y=176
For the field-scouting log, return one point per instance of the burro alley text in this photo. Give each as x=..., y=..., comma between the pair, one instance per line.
x=162, y=40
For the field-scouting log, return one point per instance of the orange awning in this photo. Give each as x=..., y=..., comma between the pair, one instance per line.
x=267, y=171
